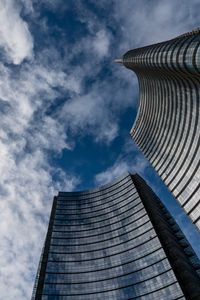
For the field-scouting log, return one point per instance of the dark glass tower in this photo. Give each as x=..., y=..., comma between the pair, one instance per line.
x=117, y=242
x=167, y=127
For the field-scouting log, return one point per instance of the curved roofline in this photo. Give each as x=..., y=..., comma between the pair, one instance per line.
x=97, y=189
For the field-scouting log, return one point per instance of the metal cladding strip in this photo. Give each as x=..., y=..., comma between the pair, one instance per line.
x=167, y=126
x=180, y=143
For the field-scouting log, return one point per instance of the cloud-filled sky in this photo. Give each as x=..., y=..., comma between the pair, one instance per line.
x=66, y=111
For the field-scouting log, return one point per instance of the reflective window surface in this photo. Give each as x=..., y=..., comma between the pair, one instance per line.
x=102, y=245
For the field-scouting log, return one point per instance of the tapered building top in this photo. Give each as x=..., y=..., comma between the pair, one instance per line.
x=119, y=60
x=167, y=126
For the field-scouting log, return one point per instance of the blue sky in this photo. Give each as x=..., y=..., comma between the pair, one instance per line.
x=67, y=109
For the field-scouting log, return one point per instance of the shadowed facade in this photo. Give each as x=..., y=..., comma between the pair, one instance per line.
x=167, y=127
x=117, y=242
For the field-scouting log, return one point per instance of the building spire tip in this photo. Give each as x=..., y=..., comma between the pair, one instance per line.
x=118, y=60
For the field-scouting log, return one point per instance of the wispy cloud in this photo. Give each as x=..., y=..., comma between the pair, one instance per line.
x=27, y=187
x=101, y=43
x=28, y=182
x=15, y=37
x=147, y=22
x=129, y=160
x=113, y=172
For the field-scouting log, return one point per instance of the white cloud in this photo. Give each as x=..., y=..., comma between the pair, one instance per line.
x=134, y=164
x=146, y=22
x=107, y=176
x=27, y=190
x=89, y=114
x=15, y=37
x=101, y=43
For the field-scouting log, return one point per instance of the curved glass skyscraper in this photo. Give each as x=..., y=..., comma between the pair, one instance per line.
x=167, y=127
x=117, y=242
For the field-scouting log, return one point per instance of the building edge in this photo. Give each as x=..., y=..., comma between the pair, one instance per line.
x=40, y=275
x=185, y=263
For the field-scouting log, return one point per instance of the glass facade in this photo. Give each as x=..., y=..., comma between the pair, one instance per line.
x=167, y=127
x=103, y=244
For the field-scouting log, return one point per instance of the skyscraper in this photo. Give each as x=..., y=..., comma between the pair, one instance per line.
x=116, y=242
x=167, y=127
